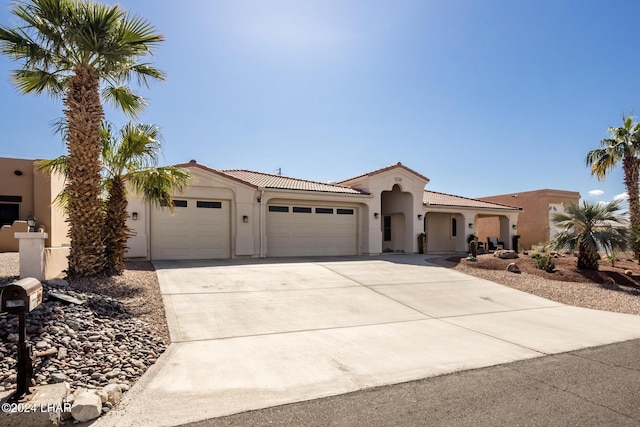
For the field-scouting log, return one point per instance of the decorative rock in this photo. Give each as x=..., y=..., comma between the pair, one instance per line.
x=102, y=395
x=513, y=268
x=59, y=283
x=57, y=377
x=114, y=393
x=505, y=254
x=86, y=406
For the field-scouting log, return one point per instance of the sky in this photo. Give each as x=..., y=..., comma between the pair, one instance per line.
x=483, y=97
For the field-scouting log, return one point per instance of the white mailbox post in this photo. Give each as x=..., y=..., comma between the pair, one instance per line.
x=31, y=254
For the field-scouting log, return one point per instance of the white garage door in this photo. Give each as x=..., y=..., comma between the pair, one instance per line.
x=197, y=229
x=299, y=230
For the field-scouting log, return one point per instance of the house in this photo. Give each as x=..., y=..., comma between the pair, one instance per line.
x=535, y=224
x=26, y=191
x=240, y=213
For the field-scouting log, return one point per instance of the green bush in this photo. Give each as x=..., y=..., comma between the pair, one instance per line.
x=545, y=262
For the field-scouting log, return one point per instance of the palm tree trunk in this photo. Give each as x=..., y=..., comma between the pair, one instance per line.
x=630, y=168
x=587, y=255
x=116, y=231
x=84, y=114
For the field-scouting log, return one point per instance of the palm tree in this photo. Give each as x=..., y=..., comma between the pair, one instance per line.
x=623, y=147
x=129, y=159
x=81, y=51
x=588, y=227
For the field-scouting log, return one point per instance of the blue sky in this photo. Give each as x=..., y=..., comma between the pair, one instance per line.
x=483, y=97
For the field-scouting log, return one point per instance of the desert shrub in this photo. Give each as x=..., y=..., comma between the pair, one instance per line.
x=545, y=262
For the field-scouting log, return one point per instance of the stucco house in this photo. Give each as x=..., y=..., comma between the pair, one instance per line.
x=534, y=224
x=26, y=191
x=240, y=213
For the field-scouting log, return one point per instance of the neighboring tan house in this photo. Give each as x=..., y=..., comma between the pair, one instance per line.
x=534, y=224
x=25, y=191
x=240, y=213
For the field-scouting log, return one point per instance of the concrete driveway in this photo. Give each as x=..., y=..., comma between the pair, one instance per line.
x=253, y=334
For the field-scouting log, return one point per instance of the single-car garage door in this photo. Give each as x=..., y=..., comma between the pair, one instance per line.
x=197, y=229
x=299, y=230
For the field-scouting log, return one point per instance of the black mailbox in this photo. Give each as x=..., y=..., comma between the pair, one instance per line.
x=21, y=296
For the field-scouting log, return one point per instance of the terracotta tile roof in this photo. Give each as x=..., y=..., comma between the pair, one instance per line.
x=266, y=180
x=386, y=168
x=434, y=198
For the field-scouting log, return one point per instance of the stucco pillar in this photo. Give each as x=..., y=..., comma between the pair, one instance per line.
x=31, y=254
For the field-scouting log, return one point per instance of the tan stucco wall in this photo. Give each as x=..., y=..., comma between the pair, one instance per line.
x=38, y=190
x=51, y=218
x=14, y=185
x=533, y=222
x=439, y=238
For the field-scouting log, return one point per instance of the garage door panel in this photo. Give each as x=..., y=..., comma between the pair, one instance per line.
x=192, y=232
x=314, y=232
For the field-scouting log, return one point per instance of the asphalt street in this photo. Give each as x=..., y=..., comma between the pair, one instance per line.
x=592, y=387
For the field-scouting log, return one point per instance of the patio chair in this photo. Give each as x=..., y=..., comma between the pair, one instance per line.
x=493, y=243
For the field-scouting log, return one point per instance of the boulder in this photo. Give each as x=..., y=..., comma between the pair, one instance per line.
x=86, y=406
x=506, y=254
x=513, y=268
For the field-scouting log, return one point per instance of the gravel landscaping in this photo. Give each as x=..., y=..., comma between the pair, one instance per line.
x=113, y=336
x=608, y=289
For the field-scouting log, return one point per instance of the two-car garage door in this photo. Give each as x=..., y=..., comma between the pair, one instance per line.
x=303, y=230
x=197, y=229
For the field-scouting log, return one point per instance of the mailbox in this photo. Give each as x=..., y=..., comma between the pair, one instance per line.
x=21, y=296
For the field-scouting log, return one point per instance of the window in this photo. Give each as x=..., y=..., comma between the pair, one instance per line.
x=301, y=210
x=278, y=208
x=386, y=228
x=324, y=210
x=176, y=204
x=344, y=211
x=9, y=212
x=454, y=227
x=11, y=199
x=209, y=205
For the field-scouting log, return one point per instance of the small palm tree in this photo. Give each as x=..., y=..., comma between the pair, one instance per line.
x=81, y=51
x=588, y=227
x=129, y=159
x=622, y=148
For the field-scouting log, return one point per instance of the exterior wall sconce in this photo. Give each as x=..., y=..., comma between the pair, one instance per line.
x=470, y=225
x=514, y=226
x=31, y=222
x=134, y=216
x=375, y=215
x=245, y=218
x=259, y=199
x=419, y=217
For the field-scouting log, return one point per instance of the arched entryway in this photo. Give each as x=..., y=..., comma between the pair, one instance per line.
x=397, y=232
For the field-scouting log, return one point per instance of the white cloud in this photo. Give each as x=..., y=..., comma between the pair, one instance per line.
x=603, y=203
x=596, y=193
x=622, y=196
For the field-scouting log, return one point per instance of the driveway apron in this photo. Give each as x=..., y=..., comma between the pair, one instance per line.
x=252, y=334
